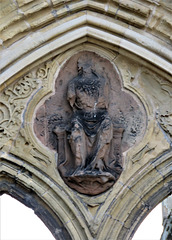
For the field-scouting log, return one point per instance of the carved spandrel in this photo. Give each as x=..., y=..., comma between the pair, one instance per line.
x=159, y=93
x=164, y=113
x=89, y=121
x=166, y=122
x=13, y=104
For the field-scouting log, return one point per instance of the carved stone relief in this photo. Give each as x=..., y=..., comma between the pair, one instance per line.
x=89, y=121
x=165, y=120
x=13, y=103
x=159, y=93
x=154, y=90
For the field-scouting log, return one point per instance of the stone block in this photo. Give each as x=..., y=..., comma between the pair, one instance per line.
x=33, y=7
x=117, y=1
x=131, y=18
x=6, y=7
x=112, y=8
x=165, y=27
x=10, y=19
x=154, y=20
x=13, y=30
x=59, y=2
x=23, y=2
x=166, y=3
x=40, y=19
x=136, y=7
x=97, y=5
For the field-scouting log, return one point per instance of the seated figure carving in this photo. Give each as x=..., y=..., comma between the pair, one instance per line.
x=91, y=160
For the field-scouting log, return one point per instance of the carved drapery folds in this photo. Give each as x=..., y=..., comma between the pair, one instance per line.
x=89, y=163
x=89, y=121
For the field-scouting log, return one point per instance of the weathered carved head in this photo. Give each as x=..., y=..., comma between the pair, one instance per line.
x=85, y=65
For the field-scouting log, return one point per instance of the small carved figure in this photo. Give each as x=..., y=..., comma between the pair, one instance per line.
x=89, y=161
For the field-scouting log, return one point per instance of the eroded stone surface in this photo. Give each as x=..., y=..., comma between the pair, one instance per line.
x=83, y=152
x=135, y=35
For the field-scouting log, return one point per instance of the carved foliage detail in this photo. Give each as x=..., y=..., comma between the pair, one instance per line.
x=13, y=102
x=12, y=105
x=160, y=92
x=165, y=120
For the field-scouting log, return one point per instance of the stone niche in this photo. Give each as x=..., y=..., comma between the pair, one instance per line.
x=90, y=121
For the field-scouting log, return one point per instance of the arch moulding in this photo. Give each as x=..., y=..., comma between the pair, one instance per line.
x=32, y=66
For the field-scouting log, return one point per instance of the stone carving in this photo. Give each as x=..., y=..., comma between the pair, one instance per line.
x=42, y=73
x=164, y=113
x=92, y=138
x=13, y=104
x=148, y=148
x=159, y=91
x=89, y=121
x=165, y=120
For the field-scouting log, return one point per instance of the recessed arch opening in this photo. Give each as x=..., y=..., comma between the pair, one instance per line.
x=143, y=192
x=19, y=222
x=156, y=199
x=157, y=223
x=10, y=186
x=151, y=227
x=159, y=191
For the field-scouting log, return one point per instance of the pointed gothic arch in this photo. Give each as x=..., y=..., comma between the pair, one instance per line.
x=135, y=37
x=20, y=183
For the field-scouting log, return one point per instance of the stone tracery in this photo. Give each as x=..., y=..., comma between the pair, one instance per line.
x=145, y=179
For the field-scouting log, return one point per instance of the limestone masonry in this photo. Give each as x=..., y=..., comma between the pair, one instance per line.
x=86, y=112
